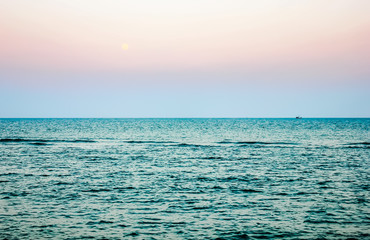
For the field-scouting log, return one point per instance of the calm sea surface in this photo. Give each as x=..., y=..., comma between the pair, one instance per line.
x=184, y=178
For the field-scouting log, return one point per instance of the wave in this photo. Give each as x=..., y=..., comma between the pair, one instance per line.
x=250, y=190
x=147, y=141
x=99, y=222
x=42, y=141
x=235, y=179
x=75, y=141
x=212, y=158
x=63, y=183
x=97, y=190
x=38, y=143
x=191, y=145
x=359, y=143
x=167, y=143
x=256, y=142
x=9, y=174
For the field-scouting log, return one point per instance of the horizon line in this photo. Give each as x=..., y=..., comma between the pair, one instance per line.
x=184, y=118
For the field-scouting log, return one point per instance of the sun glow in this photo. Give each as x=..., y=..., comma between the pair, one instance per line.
x=125, y=46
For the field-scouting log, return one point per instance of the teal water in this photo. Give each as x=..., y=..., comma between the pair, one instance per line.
x=184, y=178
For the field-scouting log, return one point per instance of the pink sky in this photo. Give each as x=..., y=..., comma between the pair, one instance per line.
x=162, y=35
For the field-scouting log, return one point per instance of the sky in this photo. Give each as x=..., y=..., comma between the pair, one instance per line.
x=196, y=58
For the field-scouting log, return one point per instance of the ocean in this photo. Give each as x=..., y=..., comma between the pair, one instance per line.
x=184, y=178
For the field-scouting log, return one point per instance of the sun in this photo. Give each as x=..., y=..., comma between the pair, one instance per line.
x=125, y=46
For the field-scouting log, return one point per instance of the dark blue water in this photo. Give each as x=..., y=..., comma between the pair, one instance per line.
x=184, y=178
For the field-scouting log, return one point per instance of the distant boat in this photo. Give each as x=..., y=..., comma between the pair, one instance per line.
x=298, y=117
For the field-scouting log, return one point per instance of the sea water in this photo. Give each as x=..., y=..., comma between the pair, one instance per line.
x=184, y=178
